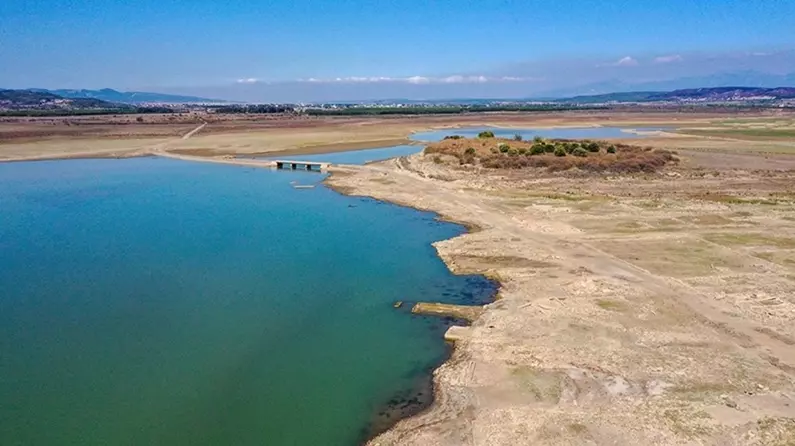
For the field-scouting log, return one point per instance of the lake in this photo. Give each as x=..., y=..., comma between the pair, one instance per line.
x=380, y=154
x=155, y=301
x=530, y=133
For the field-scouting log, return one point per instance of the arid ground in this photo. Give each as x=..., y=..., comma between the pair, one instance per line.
x=638, y=309
x=635, y=309
x=126, y=135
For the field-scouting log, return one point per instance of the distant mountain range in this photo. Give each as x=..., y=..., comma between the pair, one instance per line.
x=29, y=99
x=714, y=94
x=747, y=78
x=129, y=97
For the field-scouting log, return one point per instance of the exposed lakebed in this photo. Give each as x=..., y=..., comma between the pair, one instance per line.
x=154, y=301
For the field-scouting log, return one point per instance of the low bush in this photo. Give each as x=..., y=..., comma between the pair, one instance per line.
x=560, y=151
x=453, y=137
x=579, y=151
x=469, y=151
x=591, y=146
x=611, y=149
x=504, y=148
x=537, y=149
x=486, y=134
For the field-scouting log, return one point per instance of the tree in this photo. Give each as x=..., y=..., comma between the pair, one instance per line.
x=517, y=137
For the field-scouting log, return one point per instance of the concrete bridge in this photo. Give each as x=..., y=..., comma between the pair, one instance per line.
x=301, y=165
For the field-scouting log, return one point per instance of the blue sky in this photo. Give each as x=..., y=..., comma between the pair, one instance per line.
x=175, y=44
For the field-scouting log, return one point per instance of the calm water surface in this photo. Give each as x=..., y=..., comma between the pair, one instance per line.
x=565, y=133
x=152, y=301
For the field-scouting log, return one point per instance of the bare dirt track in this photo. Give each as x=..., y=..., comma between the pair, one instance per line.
x=645, y=309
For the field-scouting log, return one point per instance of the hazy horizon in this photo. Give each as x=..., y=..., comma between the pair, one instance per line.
x=305, y=51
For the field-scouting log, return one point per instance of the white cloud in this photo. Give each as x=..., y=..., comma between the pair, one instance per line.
x=668, y=59
x=627, y=61
x=418, y=80
x=250, y=80
x=421, y=80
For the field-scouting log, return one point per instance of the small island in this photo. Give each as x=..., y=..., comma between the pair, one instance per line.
x=551, y=154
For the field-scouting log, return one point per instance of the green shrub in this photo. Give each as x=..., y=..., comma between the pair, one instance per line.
x=522, y=151
x=571, y=146
x=504, y=148
x=560, y=151
x=486, y=134
x=549, y=147
x=469, y=151
x=591, y=146
x=513, y=152
x=538, y=149
x=579, y=151
x=517, y=137
x=453, y=137
x=537, y=139
x=611, y=149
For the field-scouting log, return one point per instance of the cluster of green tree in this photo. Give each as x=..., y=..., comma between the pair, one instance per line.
x=259, y=108
x=558, y=148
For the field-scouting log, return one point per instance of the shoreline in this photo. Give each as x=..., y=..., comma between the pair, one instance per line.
x=468, y=228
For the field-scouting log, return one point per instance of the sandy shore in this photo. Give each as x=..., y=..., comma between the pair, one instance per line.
x=638, y=310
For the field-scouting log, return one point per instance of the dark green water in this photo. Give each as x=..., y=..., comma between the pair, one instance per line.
x=157, y=302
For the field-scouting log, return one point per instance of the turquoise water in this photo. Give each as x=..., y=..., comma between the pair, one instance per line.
x=566, y=133
x=358, y=156
x=159, y=302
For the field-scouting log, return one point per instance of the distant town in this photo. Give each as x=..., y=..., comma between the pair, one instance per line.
x=38, y=102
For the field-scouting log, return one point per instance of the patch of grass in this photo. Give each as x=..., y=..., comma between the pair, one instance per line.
x=688, y=422
x=382, y=180
x=707, y=220
x=612, y=305
x=683, y=258
x=506, y=261
x=730, y=199
x=544, y=386
x=766, y=133
x=783, y=258
x=776, y=431
x=577, y=428
x=751, y=239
